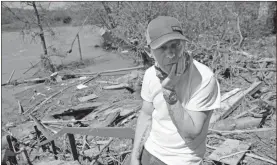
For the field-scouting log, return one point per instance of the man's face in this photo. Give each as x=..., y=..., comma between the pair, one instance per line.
x=168, y=54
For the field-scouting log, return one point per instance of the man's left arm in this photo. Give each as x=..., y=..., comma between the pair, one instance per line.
x=188, y=123
x=190, y=120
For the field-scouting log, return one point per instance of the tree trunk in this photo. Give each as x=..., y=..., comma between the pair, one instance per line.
x=108, y=12
x=41, y=34
x=263, y=11
x=46, y=61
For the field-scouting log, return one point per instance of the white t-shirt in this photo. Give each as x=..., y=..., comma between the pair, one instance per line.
x=164, y=141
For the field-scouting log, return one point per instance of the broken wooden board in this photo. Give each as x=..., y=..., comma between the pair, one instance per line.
x=228, y=105
x=229, y=147
x=230, y=94
x=239, y=124
x=89, y=97
x=81, y=107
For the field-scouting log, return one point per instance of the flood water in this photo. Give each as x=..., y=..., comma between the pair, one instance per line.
x=18, y=53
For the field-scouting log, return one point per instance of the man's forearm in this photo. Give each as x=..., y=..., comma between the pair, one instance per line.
x=182, y=120
x=142, y=132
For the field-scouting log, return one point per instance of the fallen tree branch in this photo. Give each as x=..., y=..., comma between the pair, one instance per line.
x=240, y=35
x=108, y=71
x=31, y=67
x=10, y=77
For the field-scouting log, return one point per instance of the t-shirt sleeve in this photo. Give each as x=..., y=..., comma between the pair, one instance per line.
x=145, y=89
x=206, y=98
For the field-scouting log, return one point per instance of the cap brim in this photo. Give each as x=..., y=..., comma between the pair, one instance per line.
x=168, y=37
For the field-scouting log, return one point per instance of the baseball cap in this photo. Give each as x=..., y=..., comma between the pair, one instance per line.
x=163, y=29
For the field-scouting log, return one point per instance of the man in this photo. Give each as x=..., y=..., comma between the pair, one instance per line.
x=179, y=95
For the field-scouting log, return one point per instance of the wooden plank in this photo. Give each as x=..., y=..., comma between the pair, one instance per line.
x=228, y=105
x=89, y=97
x=230, y=94
x=117, y=132
x=230, y=152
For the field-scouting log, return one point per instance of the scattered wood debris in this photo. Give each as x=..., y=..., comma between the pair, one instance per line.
x=83, y=114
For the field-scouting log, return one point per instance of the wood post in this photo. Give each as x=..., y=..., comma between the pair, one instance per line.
x=73, y=146
x=79, y=46
x=27, y=156
x=54, y=150
x=12, y=159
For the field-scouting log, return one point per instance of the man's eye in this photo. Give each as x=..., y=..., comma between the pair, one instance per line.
x=163, y=47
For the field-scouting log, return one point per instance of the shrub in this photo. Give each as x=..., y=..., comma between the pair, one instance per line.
x=67, y=20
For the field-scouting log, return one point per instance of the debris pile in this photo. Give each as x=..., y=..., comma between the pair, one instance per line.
x=90, y=118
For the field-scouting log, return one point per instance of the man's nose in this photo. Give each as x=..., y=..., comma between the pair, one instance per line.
x=171, y=52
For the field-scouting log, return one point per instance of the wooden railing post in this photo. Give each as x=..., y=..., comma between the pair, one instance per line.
x=73, y=146
x=79, y=44
x=54, y=149
x=12, y=159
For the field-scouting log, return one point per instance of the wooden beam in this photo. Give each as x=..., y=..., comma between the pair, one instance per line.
x=228, y=105
x=117, y=132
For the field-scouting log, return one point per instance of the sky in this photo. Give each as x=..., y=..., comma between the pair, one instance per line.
x=52, y=5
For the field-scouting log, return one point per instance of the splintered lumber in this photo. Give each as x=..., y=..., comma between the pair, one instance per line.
x=228, y=105
x=41, y=127
x=89, y=97
x=230, y=152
